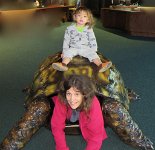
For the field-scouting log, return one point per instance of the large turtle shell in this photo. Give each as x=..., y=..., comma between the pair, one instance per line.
x=46, y=79
x=109, y=85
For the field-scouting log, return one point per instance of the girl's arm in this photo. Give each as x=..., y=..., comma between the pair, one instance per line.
x=58, y=124
x=66, y=40
x=92, y=40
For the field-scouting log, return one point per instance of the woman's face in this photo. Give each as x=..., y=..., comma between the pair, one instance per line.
x=81, y=18
x=74, y=97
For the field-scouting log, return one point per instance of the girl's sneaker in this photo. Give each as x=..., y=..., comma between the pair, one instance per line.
x=104, y=66
x=60, y=66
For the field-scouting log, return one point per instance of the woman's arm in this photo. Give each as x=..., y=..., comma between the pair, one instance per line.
x=95, y=128
x=58, y=124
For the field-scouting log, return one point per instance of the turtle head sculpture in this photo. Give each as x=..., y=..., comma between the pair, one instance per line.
x=113, y=96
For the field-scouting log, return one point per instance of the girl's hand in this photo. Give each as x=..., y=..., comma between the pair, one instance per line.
x=62, y=55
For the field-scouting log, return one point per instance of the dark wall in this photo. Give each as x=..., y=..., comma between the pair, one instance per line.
x=94, y=5
x=148, y=3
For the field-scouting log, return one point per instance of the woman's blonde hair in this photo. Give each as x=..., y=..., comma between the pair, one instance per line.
x=89, y=14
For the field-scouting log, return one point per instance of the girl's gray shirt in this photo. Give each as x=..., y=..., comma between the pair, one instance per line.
x=75, y=40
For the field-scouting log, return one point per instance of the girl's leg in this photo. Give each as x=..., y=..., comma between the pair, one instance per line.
x=93, y=57
x=97, y=61
x=66, y=60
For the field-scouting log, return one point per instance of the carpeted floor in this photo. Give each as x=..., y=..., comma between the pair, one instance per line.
x=22, y=52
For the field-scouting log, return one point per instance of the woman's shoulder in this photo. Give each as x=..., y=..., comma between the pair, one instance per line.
x=55, y=98
x=57, y=101
x=95, y=102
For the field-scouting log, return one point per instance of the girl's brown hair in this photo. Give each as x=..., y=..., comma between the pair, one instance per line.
x=83, y=84
x=89, y=14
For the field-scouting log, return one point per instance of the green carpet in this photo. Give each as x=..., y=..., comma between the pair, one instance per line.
x=22, y=52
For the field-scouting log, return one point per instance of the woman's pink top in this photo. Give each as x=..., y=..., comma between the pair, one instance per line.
x=92, y=127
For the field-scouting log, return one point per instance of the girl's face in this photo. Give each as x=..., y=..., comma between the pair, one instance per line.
x=74, y=97
x=81, y=18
